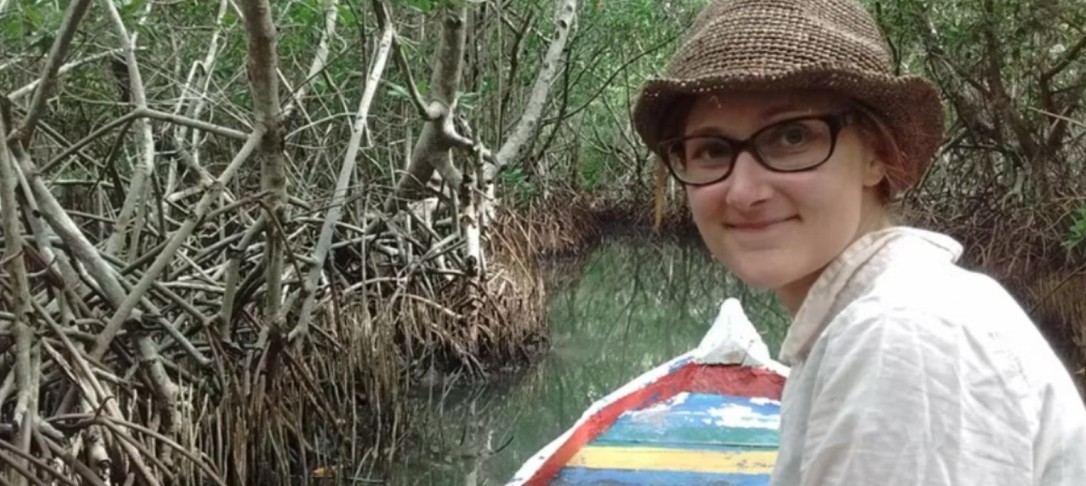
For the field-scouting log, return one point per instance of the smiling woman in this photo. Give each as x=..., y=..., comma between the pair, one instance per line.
x=785, y=123
x=781, y=205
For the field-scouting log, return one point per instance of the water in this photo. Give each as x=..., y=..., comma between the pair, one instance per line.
x=624, y=309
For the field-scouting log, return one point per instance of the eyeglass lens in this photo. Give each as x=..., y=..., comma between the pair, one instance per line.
x=789, y=146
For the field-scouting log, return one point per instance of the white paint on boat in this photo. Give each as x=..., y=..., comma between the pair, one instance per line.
x=741, y=416
x=765, y=401
x=659, y=412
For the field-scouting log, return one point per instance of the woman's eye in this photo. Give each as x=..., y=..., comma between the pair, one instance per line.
x=793, y=135
x=710, y=151
x=791, y=138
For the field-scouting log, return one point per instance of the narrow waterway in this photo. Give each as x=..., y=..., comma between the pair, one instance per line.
x=625, y=308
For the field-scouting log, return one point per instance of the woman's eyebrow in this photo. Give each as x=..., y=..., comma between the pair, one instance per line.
x=778, y=111
x=767, y=116
x=708, y=130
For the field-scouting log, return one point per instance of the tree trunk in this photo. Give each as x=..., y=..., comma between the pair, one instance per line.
x=264, y=82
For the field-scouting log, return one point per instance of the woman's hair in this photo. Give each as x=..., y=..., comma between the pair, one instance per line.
x=670, y=127
x=870, y=123
x=886, y=148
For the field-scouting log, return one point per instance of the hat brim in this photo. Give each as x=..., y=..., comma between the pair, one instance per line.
x=909, y=105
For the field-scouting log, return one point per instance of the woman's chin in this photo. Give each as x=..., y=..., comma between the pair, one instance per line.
x=765, y=270
x=765, y=278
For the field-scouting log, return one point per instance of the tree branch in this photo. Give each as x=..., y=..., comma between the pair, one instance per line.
x=140, y=113
x=339, y=196
x=428, y=112
x=26, y=404
x=76, y=10
x=29, y=88
x=1000, y=99
x=1069, y=56
x=137, y=190
x=434, y=141
x=124, y=310
x=320, y=58
x=537, y=100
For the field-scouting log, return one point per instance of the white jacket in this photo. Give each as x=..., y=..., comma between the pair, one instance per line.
x=909, y=370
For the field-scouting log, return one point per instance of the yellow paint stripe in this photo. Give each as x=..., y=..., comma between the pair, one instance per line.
x=661, y=459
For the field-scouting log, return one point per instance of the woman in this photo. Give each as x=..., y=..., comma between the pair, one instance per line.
x=791, y=134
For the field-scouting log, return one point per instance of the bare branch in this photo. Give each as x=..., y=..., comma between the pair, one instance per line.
x=427, y=111
x=137, y=189
x=121, y=314
x=320, y=59
x=537, y=100
x=1069, y=56
x=192, y=123
x=29, y=88
x=1000, y=99
x=431, y=148
x=41, y=465
x=76, y=10
x=233, y=268
x=324, y=241
x=26, y=405
x=140, y=113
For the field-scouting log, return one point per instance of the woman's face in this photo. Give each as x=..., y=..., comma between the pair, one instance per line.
x=779, y=230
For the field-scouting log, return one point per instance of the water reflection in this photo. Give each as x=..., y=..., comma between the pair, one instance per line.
x=629, y=306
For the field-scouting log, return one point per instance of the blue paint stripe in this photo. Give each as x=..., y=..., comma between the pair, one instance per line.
x=702, y=401
x=576, y=476
x=687, y=424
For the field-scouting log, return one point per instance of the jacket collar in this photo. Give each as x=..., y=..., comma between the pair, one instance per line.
x=852, y=273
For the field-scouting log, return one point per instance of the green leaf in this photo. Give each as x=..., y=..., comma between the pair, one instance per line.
x=397, y=91
x=1077, y=233
x=467, y=101
x=32, y=19
x=129, y=10
x=43, y=41
x=424, y=6
x=11, y=27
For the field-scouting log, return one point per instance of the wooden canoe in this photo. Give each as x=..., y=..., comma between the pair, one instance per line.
x=708, y=417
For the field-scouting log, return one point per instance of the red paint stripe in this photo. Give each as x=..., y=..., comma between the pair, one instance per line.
x=694, y=378
x=736, y=380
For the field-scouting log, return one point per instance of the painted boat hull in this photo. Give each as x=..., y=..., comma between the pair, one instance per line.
x=708, y=417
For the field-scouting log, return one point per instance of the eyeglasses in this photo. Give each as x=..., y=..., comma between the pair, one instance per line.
x=793, y=145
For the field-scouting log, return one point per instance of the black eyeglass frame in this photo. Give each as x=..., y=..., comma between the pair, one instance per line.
x=836, y=122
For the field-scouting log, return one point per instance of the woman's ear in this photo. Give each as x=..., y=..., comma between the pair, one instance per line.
x=874, y=170
x=872, y=153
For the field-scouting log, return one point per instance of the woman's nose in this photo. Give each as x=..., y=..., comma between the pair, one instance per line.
x=746, y=184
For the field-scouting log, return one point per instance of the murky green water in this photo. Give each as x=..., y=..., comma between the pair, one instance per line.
x=624, y=309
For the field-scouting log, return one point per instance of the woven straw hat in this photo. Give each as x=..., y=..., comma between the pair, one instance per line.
x=832, y=45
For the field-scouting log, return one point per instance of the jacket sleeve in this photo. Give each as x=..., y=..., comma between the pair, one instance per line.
x=910, y=399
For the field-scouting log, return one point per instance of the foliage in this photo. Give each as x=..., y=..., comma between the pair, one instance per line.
x=1077, y=233
x=1013, y=76
x=518, y=186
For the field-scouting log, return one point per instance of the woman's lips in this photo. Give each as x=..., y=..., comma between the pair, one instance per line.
x=758, y=225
